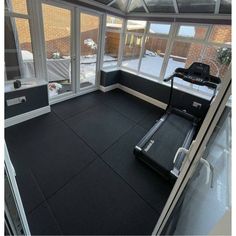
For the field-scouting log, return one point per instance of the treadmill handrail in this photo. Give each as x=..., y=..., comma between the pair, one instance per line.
x=180, y=150
x=186, y=151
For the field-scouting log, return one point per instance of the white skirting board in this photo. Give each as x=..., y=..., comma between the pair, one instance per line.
x=134, y=93
x=109, y=88
x=26, y=116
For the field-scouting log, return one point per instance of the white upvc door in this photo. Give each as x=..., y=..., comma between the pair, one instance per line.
x=88, y=47
x=72, y=49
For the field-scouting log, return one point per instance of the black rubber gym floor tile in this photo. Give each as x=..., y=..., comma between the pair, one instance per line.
x=42, y=222
x=76, y=105
x=99, y=202
x=100, y=126
x=150, y=119
x=29, y=189
x=53, y=152
x=152, y=187
x=130, y=106
x=19, y=135
x=57, y=156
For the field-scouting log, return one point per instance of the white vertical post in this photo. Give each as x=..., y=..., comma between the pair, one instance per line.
x=15, y=191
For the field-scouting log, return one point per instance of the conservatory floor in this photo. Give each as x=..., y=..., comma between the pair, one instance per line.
x=76, y=170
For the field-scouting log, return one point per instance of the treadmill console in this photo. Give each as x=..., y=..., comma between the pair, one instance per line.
x=198, y=73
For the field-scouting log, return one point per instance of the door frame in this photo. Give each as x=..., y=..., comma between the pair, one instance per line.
x=69, y=7
x=75, y=49
x=79, y=11
x=196, y=151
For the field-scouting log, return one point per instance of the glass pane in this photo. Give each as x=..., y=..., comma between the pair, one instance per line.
x=132, y=51
x=225, y=6
x=136, y=26
x=218, y=58
x=89, y=33
x=113, y=23
x=19, y=59
x=112, y=41
x=196, y=6
x=18, y=6
x=183, y=54
x=136, y=6
x=198, y=32
x=120, y=4
x=57, y=33
x=154, y=55
x=156, y=28
x=221, y=34
x=162, y=6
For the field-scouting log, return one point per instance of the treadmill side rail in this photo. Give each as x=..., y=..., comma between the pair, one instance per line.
x=146, y=138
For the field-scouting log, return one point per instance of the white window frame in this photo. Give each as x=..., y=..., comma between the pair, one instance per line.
x=172, y=37
x=36, y=51
x=105, y=30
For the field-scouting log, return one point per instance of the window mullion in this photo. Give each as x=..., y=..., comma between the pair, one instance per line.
x=122, y=42
x=143, y=45
x=171, y=39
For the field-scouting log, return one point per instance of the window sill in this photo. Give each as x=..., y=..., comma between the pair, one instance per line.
x=26, y=84
x=177, y=86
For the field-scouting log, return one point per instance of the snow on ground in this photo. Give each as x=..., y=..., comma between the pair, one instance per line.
x=151, y=64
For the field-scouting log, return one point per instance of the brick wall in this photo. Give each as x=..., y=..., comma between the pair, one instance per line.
x=220, y=34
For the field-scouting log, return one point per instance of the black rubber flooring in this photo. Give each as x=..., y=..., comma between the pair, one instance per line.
x=76, y=170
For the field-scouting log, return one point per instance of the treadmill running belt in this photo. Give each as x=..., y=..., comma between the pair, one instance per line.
x=169, y=137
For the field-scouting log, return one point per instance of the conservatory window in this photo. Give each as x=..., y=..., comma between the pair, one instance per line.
x=221, y=34
x=196, y=6
x=156, y=28
x=19, y=56
x=136, y=26
x=133, y=44
x=153, y=57
x=132, y=50
x=160, y=6
x=112, y=41
x=183, y=54
x=191, y=31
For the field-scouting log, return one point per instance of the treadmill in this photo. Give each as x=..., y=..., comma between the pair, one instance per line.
x=165, y=145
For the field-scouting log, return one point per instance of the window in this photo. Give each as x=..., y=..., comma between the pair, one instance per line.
x=225, y=6
x=156, y=28
x=155, y=47
x=196, y=6
x=133, y=44
x=190, y=31
x=153, y=56
x=19, y=56
x=136, y=26
x=112, y=41
x=120, y=4
x=183, y=54
x=160, y=6
x=18, y=6
x=132, y=50
x=221, y=34
x=146, y=49
x=57, y=38
x=136, y=6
